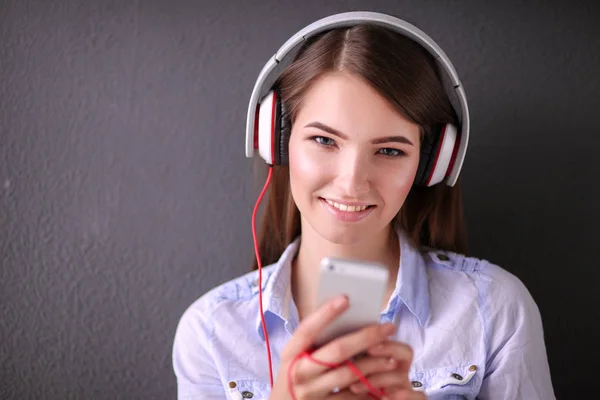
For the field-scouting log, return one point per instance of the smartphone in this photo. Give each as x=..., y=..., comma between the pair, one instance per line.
x=364, y=283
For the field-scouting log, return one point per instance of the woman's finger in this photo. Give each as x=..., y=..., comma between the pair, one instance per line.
x=407, y=394
x=343, y=376
x=312, y=325
x=390, y=380
x=347, y=395
x=348, y=346
x=306, y=333
x=401, y=352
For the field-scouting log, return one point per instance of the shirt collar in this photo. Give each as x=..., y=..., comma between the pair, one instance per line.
x=412, y=283
x=412, y=286
x=277, y=292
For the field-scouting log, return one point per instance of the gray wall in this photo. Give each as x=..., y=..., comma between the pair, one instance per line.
x=125, y=193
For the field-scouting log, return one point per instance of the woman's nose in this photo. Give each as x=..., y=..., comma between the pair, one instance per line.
x=353, y=177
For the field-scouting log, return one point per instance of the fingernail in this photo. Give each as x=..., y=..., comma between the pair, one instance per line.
x=340, y=302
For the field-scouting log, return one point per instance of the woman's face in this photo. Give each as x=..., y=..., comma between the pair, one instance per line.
x=352, y=158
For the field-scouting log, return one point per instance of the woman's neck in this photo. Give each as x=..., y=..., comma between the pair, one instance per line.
x=382, y=248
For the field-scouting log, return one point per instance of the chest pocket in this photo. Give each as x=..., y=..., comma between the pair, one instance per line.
x=451, y=383
x=248, y=389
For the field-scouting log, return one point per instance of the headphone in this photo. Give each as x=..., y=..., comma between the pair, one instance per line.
x=268, y=128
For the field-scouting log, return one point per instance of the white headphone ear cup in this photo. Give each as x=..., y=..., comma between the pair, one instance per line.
x=266, y=126
x=445, y=154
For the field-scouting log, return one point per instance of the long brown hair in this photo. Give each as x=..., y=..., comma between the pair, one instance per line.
x=407, y=76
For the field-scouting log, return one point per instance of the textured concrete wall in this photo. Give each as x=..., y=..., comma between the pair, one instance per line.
x=125, y=193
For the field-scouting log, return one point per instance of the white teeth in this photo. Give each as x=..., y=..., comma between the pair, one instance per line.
x=347, y=208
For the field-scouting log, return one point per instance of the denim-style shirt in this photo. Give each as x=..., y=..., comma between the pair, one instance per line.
x=475, y=331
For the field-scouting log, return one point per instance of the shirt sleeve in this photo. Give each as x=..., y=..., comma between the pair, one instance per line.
x=196, y=372
x=517, y=364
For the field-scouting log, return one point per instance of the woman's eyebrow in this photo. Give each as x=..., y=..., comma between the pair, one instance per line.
x=397, y=139
x=335, y=132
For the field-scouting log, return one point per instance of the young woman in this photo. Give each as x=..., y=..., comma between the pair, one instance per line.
x=359, y=103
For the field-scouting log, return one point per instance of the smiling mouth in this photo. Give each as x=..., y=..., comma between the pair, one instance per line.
x=348, y=208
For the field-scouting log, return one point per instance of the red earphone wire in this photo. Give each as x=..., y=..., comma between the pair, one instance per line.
x=374, y=392
x=257, y=252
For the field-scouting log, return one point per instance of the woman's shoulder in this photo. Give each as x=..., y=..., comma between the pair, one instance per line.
x=477, y=268
x=214, y=308
x=240, y=288
x=501, y=311
x=494, y=286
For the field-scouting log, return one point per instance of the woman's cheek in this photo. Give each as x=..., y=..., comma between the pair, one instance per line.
x=402, y=181
x=301, y=162
x=308, y=163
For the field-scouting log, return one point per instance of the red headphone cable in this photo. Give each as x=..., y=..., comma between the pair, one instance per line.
x=257, y=252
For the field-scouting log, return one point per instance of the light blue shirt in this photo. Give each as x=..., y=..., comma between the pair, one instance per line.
x=474, y=328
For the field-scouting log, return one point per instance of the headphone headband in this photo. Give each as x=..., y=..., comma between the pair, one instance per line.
x=283, y=57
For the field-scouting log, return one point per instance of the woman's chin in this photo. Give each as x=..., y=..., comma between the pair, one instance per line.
x=344, y=235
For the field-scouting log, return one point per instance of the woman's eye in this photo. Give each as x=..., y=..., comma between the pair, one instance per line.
x=391, y=152
x=323, y=140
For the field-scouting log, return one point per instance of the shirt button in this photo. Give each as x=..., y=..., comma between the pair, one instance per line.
x=457, y=376
x=473, y=368
x=247, y=395
x=416, y=384
x=232, y=385
x=443, y=257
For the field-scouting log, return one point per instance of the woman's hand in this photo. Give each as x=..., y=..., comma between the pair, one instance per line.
x=310, y=380
x=395, y=383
